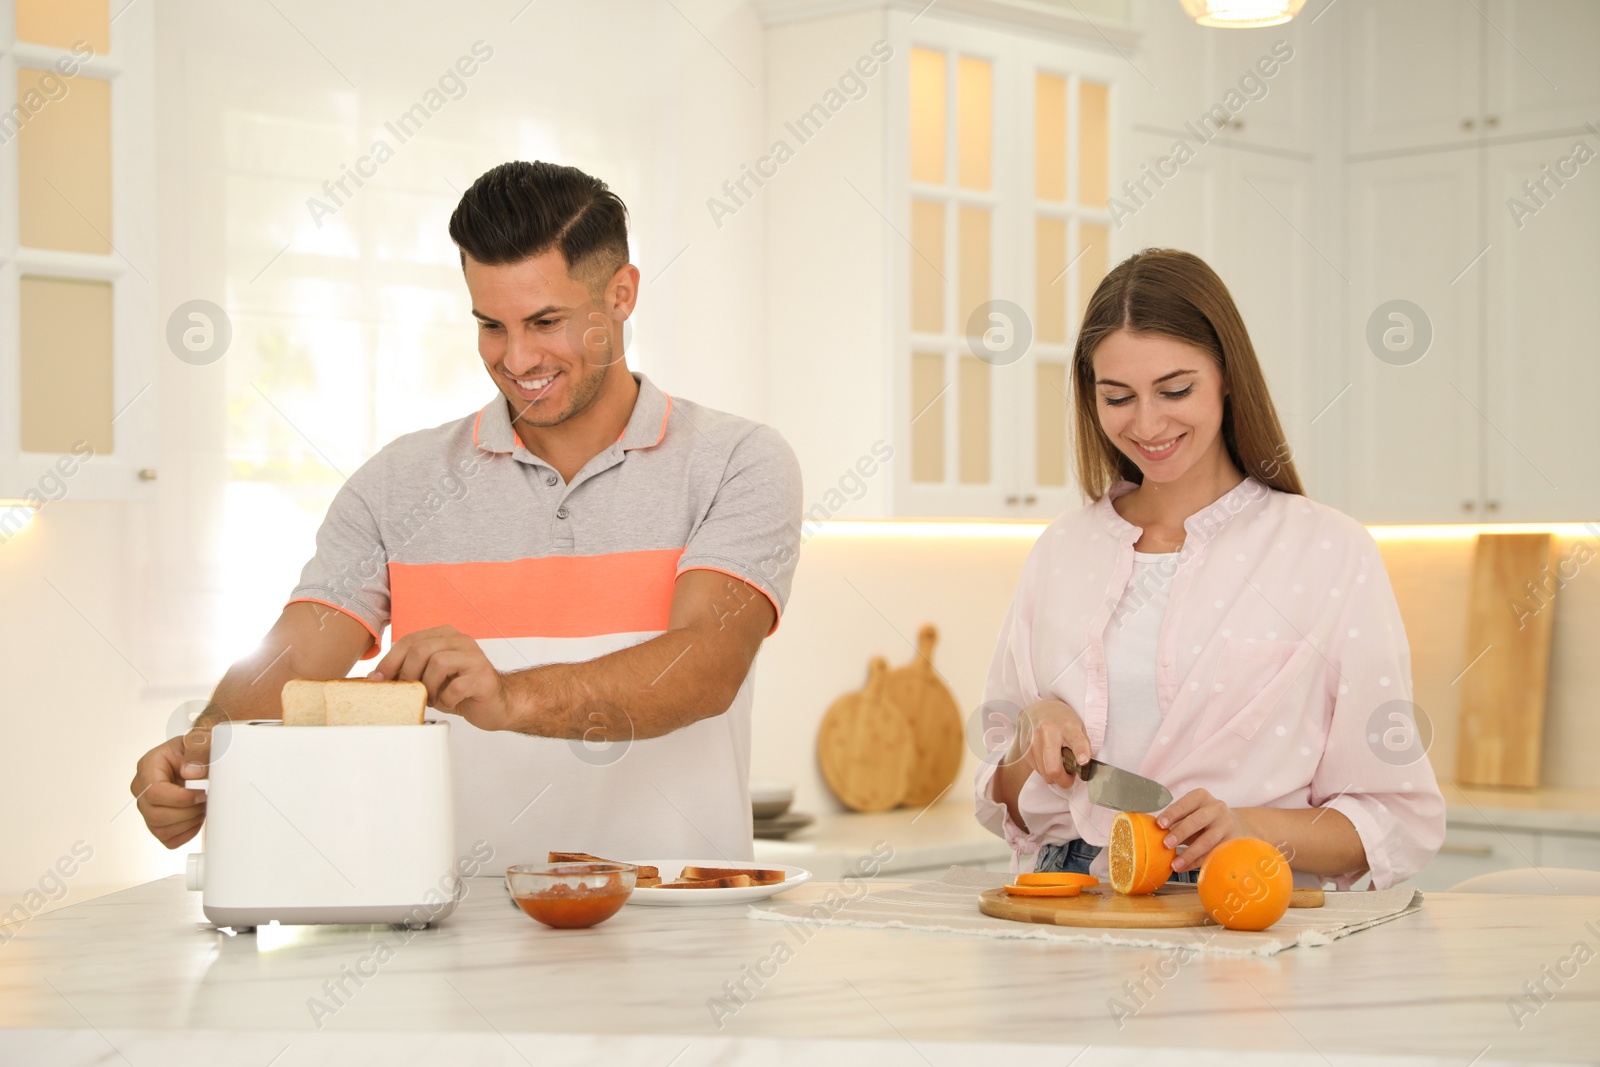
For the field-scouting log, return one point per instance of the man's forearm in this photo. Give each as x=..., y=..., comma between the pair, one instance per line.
x=252, y=688
x=648, y=690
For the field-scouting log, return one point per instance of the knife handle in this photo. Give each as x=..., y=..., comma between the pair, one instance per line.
x=1069, y=763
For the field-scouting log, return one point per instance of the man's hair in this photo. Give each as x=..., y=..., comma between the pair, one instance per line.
x=520, y=210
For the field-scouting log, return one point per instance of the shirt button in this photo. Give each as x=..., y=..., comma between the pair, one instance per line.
x=549, y=479
x=561, y=513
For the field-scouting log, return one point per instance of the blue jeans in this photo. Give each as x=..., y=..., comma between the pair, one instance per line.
x=1075, y=856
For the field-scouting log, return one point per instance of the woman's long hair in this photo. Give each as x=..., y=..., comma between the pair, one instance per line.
x=1164, y=291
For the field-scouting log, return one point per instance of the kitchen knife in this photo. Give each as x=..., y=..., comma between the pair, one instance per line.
x=1112, y=787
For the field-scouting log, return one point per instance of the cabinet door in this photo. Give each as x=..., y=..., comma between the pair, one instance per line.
x=1577, y=851
x=1469, y=851
x=1412, y=425
x=1268, y=79
x=1539, y=65
x=1270, y=255
x=1543, y=356
x=1412, y=73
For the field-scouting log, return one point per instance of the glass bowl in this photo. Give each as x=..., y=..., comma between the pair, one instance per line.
x=571, y=896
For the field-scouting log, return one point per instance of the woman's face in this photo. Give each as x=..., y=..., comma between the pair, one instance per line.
x=1160, y=402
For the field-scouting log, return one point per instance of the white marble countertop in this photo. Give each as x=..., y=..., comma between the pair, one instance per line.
x=930, y=839
x=135, y=978
x=1551, y=808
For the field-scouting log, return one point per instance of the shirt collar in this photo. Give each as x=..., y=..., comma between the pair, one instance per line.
x=647, y=425
x=1199, y=527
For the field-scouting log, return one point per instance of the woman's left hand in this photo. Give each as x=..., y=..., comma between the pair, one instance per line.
x=1200, y=822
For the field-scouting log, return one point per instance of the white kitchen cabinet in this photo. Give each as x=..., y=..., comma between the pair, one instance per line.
x=1539, y=66
x=1542, y=274
x=78, y=321
x=1445, y=102
x=1576, y=851
x=1411, y=423
x=1412, y=73
x=964, y=194
x=1469, y=851
x=1448, y=73
x=1281, y=109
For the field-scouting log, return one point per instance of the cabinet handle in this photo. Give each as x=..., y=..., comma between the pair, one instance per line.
x=147, y=474
x=1237, y=124
x=1467, y=124
x=1467, y=505
x=1012, y=498
x=1491, y=505
x=1491, y=121
x=1478, y=851
x=1030, y=499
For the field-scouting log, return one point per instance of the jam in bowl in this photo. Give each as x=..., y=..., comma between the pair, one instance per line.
x=570, y=896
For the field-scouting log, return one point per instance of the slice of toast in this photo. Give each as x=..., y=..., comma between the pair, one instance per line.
x=757, y=876
x=738, y=881
x=357, y=702
x=647, y=881
x=645, y=870
x=303, y=703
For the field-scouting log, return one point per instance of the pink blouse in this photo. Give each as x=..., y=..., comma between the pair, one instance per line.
x=1283, y=673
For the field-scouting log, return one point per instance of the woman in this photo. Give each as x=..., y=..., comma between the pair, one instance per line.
x=1201, y=622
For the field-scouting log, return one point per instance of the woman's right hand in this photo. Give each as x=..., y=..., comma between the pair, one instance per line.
x=1043, y=729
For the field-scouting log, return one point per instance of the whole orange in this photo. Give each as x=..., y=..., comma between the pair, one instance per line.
x=1245, y=884
x=1139, y=861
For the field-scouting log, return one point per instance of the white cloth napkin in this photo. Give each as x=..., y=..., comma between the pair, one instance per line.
x=949, y=904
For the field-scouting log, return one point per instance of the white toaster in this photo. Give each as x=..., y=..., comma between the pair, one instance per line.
x=328, y=824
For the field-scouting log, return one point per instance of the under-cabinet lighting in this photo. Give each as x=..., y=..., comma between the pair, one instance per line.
x=1466, y=531
x=16, y=515
x=961, y=530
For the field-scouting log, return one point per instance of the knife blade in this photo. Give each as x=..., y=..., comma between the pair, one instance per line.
x=1113, y=787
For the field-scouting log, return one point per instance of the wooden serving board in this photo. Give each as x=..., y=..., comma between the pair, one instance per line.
x=1503, y=693
x=935, y=720
x=865, y=747
x=1169, y=906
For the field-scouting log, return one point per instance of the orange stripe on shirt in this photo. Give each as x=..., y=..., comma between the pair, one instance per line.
x=550, y=596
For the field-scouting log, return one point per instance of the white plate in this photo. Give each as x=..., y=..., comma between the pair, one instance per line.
x=670, y=869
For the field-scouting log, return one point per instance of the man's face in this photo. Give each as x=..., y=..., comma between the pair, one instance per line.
x=546, y=340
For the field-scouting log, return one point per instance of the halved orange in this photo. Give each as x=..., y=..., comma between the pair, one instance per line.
x=1055, y=878
x=1140, y=863
x=1016, y=890
x=1245, y=884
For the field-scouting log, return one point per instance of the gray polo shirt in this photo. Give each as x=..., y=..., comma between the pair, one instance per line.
x=461, y=525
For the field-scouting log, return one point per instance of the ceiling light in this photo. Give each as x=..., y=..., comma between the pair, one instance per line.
x=1242, y=14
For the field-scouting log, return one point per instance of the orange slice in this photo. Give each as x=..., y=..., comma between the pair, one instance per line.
x=1140, y=863
x=1056, y=878
x=1044, y=890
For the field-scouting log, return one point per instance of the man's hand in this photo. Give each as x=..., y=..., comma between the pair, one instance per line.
x=308, y=641
x=459, y=677
x=1200, y=822
x=172, y=812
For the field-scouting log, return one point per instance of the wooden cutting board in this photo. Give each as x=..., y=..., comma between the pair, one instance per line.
x=1503, y=693
x=1169, y=906
x=935, y=721
x=864, y=746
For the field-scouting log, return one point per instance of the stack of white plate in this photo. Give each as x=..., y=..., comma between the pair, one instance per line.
x=769, y=804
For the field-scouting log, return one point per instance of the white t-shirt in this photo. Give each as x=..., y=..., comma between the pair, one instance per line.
x=1134, y=714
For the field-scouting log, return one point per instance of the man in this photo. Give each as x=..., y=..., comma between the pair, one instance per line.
x=581, y=572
